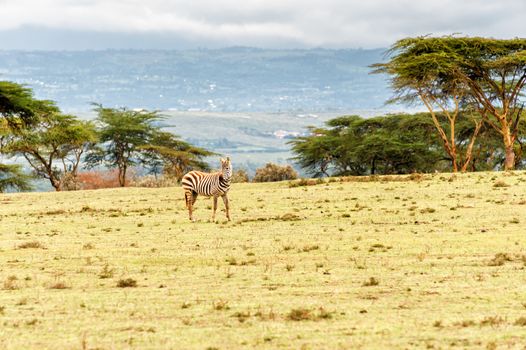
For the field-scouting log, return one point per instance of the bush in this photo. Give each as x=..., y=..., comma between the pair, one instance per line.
x=273, y=172
x=71, y=182
x=240, y=176
x=92, y=180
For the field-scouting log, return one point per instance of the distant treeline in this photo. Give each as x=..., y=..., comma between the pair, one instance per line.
x=397, y=144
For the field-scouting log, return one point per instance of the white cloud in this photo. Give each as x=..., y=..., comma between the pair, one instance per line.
x=330, y=23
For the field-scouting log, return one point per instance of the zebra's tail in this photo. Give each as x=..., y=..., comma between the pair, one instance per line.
x=190, y=197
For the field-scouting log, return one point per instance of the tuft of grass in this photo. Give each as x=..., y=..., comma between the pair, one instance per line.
x=500, y=259
x=242, y=316
x=288, y=217
x=500, y=184
x=106, y=272
x=309, y=248
x=127, y=283
x=231, y=261
x=10, y=283
x=31, y=245
x=220, y=305
x=306, y=182
x=521, y=321
x=59, y=285
x=465, y=323
x=55, y=212
x=300, y=314
x=265, y=316
x=492, y=321
x=371, y=282
x=324, y=314
x=306, y=314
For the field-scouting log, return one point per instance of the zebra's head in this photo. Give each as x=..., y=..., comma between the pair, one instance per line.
x=226, y=168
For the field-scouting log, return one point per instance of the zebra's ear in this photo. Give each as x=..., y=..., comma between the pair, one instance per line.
x=222, y=160
x=228, y=159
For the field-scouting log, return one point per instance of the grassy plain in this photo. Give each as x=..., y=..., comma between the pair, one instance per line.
x=394, y=263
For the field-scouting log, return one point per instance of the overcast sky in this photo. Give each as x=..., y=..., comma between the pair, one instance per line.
x=97, y=24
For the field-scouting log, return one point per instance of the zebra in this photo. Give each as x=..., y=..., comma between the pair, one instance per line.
x=210, y=185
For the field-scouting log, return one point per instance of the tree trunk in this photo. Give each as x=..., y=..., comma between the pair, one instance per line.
x=122, y=176
x=509, y=162
x=56, y=185
x=469, y=151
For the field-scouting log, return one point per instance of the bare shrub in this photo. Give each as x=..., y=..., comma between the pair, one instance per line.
x=92, y=180
x=240, y=176
x=70, y=182
x=273, y=172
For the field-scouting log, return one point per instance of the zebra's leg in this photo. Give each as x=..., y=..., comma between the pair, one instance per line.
x=190, y=198
x=227, y=206
x=215, y=208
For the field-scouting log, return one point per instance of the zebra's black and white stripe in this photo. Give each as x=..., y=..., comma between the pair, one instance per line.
x=208, y=184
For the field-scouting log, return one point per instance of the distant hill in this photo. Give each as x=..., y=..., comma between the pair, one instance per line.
x=216, y=80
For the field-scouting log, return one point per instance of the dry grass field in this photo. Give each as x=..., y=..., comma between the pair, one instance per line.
x=381, y=263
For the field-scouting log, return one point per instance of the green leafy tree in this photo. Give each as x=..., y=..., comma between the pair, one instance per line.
x=356, y=146
x=12, y=178
x=487, y=74
x=17, y=112
x=174, y=157
x=122, y=132
x=18, y=107
x=53, y=146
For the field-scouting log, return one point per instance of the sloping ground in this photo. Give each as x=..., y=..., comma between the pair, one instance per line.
x=404, y=262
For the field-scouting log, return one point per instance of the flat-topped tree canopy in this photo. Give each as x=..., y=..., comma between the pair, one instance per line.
x=485, y=73
x=18, y=106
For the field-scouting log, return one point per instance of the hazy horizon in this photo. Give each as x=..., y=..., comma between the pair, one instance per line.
x=271, y=24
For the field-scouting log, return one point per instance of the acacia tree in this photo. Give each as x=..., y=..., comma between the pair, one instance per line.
x=173, y=156
x=122, y=132
x=12, y=177
x=315, y=152
x=17, y=105
x=17, y=113
x=53, y=146
x=488, y=74
x=418, y=74
x=352, y=145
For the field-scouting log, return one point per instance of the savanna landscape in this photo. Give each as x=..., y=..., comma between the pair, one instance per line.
x=385, y=262
x=373, y=176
